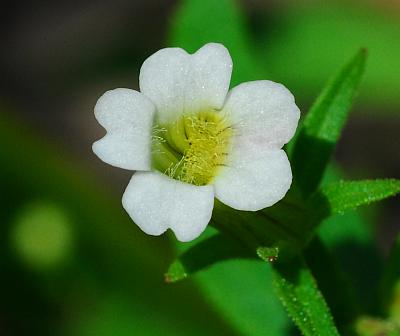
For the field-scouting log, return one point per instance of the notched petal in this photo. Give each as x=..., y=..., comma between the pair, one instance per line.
x=156, y=202
x=179, y=83
x=127, y=116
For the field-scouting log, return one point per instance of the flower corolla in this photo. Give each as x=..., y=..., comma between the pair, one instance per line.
x=189, y=140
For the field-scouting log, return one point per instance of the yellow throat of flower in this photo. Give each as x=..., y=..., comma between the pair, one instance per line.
x=192, y=148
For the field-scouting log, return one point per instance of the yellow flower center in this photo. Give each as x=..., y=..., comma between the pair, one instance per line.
x=193, y=148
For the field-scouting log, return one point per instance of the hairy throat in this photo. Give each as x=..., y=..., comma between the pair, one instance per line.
x=193, y=148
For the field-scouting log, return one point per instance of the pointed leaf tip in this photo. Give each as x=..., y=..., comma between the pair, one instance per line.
x=338, y=197
x=204, y=254
x=269, y=254
x=323, y=124
x=176, y=272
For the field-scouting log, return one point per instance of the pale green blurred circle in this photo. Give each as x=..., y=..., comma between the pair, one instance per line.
x=42, y=235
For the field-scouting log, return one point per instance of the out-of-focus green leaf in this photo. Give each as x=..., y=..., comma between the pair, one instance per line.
x=242, y=292
x=391, y=278
x=297, y=289
x=321, y=35
x=370, y=326
x=206, y=253
x=394, y=308
x=119, y=315
x=336, y=198
x=105, y=255
x=323, y=125
x=251, y=306
x=198, y=22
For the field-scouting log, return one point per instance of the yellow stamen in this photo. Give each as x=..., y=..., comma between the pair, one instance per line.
x=199, y=145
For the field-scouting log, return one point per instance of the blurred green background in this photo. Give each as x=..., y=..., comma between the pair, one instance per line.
x=71, y=260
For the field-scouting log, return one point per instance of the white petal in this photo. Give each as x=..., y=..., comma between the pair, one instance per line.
x=127, y=115
x=179, y=83
x=263, y=114
x=254, y=180
x=156, y=202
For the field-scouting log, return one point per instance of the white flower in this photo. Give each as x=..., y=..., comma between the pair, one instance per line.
x=189, y=140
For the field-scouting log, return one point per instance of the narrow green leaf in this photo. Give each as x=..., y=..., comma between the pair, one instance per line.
x=323, y=124
x=333, y=282
x=206, y=253
x=197, y=22
x=336, y=198
x=297, y=289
